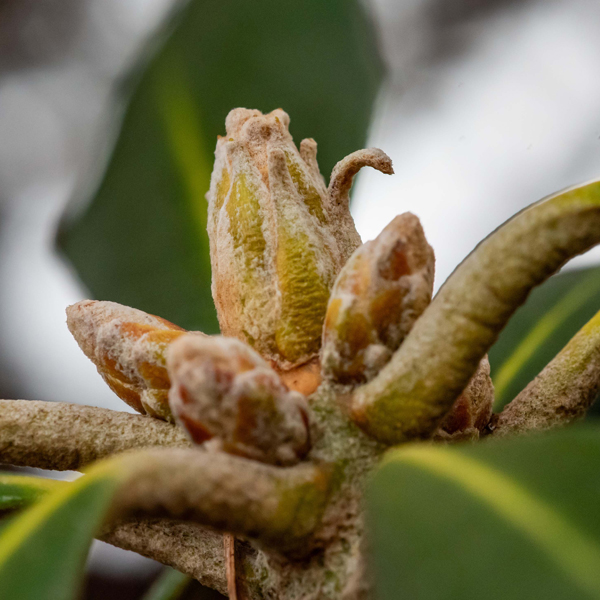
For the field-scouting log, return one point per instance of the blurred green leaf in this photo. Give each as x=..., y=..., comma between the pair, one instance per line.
x=19, y=491
x=142, y=241
x=43, y=550
x=552, y=315
x=169, y=586
x=514, y=518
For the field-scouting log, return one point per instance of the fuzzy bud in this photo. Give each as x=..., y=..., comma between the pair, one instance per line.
x=225, y=391
x=383, y=288
x=128, y=347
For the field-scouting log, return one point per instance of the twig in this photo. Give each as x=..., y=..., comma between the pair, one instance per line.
x=66, y=437
x=562, y=392
x=229, y=547
x=187, y=547
x=418, y=386
x=278, y=507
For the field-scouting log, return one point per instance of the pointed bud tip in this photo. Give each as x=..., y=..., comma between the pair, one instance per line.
x=251, y=123
x=380, y=292
x=84, y=319
x=81, y=324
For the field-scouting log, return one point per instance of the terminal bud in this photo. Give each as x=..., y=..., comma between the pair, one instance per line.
x=278, y=236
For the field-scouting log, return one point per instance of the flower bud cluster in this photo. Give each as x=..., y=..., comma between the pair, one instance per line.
x=278, y=236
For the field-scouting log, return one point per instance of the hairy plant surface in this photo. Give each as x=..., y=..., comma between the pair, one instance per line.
x=260, y=441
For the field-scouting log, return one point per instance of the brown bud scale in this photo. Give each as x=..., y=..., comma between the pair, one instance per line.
x=472, y=411
x=224, y=391
x=128, y=347
x=381, y=291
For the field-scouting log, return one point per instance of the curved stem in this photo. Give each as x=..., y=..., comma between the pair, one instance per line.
x=344, y=171
x=66, y=437
x=188, y=547
x=563, y=391
x=279, y=507
x=418, y=386
x=338, y=196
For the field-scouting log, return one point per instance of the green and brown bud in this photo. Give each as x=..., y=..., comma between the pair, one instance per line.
x=383, y=288
x=278, y=238
x=128, y=347
x=224, y=391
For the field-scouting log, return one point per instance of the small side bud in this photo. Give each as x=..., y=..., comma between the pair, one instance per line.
x=379, y=294
x=223, y=390
x=472, y=411
x=128, y=347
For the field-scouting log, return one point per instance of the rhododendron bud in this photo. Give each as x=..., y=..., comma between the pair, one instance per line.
x=383, y=288
x=128, y=347
x=224, y=391
x=278, y=236
x=472, y=411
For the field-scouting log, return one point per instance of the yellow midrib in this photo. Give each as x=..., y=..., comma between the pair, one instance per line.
x=571, y=550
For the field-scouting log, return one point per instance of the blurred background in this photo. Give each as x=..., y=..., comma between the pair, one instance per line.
x=483, y=105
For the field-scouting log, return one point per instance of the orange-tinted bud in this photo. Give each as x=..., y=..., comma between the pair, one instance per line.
x=128, y=347
x=381, y=291
x=223, y=390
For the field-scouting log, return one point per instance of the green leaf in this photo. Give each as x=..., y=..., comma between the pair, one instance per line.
x=551, y=316
x=19, y=491
x=515, y=518
x=43, y=550
x=142, y=241
x=169, y=586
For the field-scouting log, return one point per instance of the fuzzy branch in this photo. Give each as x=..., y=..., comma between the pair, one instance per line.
x=563, y=391
x=187, y=547
x=279, y=507
x=66, y=437
x=418, y=386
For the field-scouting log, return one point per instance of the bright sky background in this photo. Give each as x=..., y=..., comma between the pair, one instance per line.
x=479, y=137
